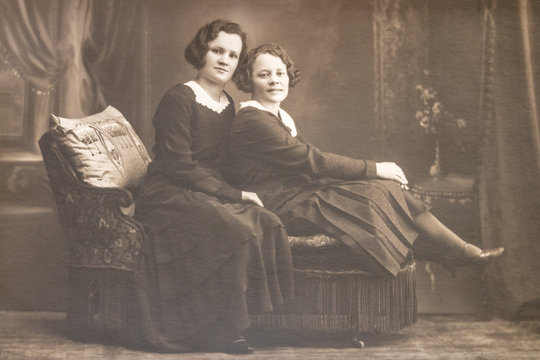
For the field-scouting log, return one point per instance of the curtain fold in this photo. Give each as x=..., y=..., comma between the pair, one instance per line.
x=91, y=52
x=41, y=41
x=116, y=56
x=509, y=183
x=76, y=90
x=30, y=43
x=400, y=54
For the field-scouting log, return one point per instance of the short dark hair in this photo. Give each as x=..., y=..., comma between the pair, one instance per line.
x=197, y=49
x=243, y=76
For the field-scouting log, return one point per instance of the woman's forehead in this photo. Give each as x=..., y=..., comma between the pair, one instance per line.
x=268, y=61
x=227, y=41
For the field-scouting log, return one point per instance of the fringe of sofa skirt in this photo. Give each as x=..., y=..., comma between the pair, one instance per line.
x=328, y=301
x=350, y=301
x=101, y=298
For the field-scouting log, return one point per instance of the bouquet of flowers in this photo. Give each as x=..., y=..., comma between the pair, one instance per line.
x=433, y=116
x=436, y=122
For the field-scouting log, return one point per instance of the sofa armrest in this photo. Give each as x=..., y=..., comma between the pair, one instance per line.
x=100, y=232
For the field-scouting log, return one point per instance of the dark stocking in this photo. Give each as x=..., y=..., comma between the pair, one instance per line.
x=441, y=240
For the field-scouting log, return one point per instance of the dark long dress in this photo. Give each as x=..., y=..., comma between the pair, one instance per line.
x=215, y=259
x=313, y=190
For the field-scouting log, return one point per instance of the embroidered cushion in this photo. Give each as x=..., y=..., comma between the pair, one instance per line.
x=314, y=241
x=320, y=253
x=103, y=149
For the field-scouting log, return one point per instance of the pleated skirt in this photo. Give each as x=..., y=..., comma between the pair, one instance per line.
x=214, y=262
x=374, y=218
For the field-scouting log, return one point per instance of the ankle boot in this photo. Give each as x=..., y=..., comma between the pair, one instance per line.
x=470, y=256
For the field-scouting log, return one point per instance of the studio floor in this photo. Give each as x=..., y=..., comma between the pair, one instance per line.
x=44, y=336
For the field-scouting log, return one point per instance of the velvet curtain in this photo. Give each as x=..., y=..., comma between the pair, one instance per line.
x=32, y=45
x=26, y=25
x=116, y=55
x=42, y=41
x=510, y=169
x=400, y=49
x=90, y=52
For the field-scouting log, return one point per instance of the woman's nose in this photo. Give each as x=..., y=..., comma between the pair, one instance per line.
x=274, y=80
x=223, y=60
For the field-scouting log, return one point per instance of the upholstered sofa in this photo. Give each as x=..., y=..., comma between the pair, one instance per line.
x=94, y=165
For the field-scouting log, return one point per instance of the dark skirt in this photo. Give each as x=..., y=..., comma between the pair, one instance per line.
x=374, y=218
x=214, y=262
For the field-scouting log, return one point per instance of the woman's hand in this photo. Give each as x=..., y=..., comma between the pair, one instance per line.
x=390, y=171
x=252, y=198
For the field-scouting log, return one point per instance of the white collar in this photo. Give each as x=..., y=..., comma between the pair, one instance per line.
x=202, y=97
x=286, y=119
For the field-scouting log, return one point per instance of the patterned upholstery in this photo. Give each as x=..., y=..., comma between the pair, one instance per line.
x=94, y=220
x=105, y=246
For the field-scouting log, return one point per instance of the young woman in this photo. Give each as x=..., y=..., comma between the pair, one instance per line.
x=217, y=253
x=361, y=202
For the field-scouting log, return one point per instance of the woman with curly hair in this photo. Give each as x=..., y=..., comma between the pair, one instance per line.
x=363, y=203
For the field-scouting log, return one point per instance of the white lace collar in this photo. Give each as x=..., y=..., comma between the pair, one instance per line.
x=286, y=119
x=202, y=97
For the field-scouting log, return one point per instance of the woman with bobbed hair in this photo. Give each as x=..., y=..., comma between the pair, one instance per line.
x=195, y=52
x=363, y=203
x=216, y=252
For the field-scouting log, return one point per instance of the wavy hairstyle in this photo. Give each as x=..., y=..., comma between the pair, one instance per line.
x=197, y=49
x=243, y=76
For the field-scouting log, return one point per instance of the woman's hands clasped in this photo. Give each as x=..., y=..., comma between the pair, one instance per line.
x=391, y=171
x=252, y=198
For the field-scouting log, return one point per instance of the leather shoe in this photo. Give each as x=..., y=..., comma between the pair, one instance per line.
x=471, y=256
x=229, y=346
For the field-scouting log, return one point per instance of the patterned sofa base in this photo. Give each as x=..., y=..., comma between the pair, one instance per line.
x=332, y=292
x=106, y=302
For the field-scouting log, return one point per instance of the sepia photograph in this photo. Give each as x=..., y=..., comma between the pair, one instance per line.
x=269, y=179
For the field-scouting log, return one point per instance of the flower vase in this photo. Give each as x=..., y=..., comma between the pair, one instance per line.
x=435, y=169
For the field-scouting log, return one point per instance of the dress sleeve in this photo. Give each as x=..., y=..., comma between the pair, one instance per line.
x=261, y=133
x=173, y=150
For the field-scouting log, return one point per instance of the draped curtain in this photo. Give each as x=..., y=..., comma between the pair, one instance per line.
x=483, y=57
x=90, y=52
x=510, y=168
x=116, y=55
x=400, y=48
x=39, y=52
x=26, y=25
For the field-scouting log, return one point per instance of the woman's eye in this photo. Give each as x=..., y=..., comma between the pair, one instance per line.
x=217, y=51
x=234, y=56
x=262, y=76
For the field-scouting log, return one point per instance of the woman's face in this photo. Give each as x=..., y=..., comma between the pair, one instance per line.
x=270, y=80
x=221, y=59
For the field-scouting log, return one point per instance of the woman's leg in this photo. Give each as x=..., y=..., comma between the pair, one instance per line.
x=441, y=236
x=447, y=246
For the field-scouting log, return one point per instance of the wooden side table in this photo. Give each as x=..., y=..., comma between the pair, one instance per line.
x=454, y=201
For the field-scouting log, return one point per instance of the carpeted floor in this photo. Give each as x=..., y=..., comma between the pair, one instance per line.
x=43, y=336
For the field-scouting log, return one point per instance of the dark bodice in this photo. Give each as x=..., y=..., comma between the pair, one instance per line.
x=190, y=142
x=265, y=158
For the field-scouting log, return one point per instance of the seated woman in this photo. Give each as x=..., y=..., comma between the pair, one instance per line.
x=361, y=202
x=215, y=253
